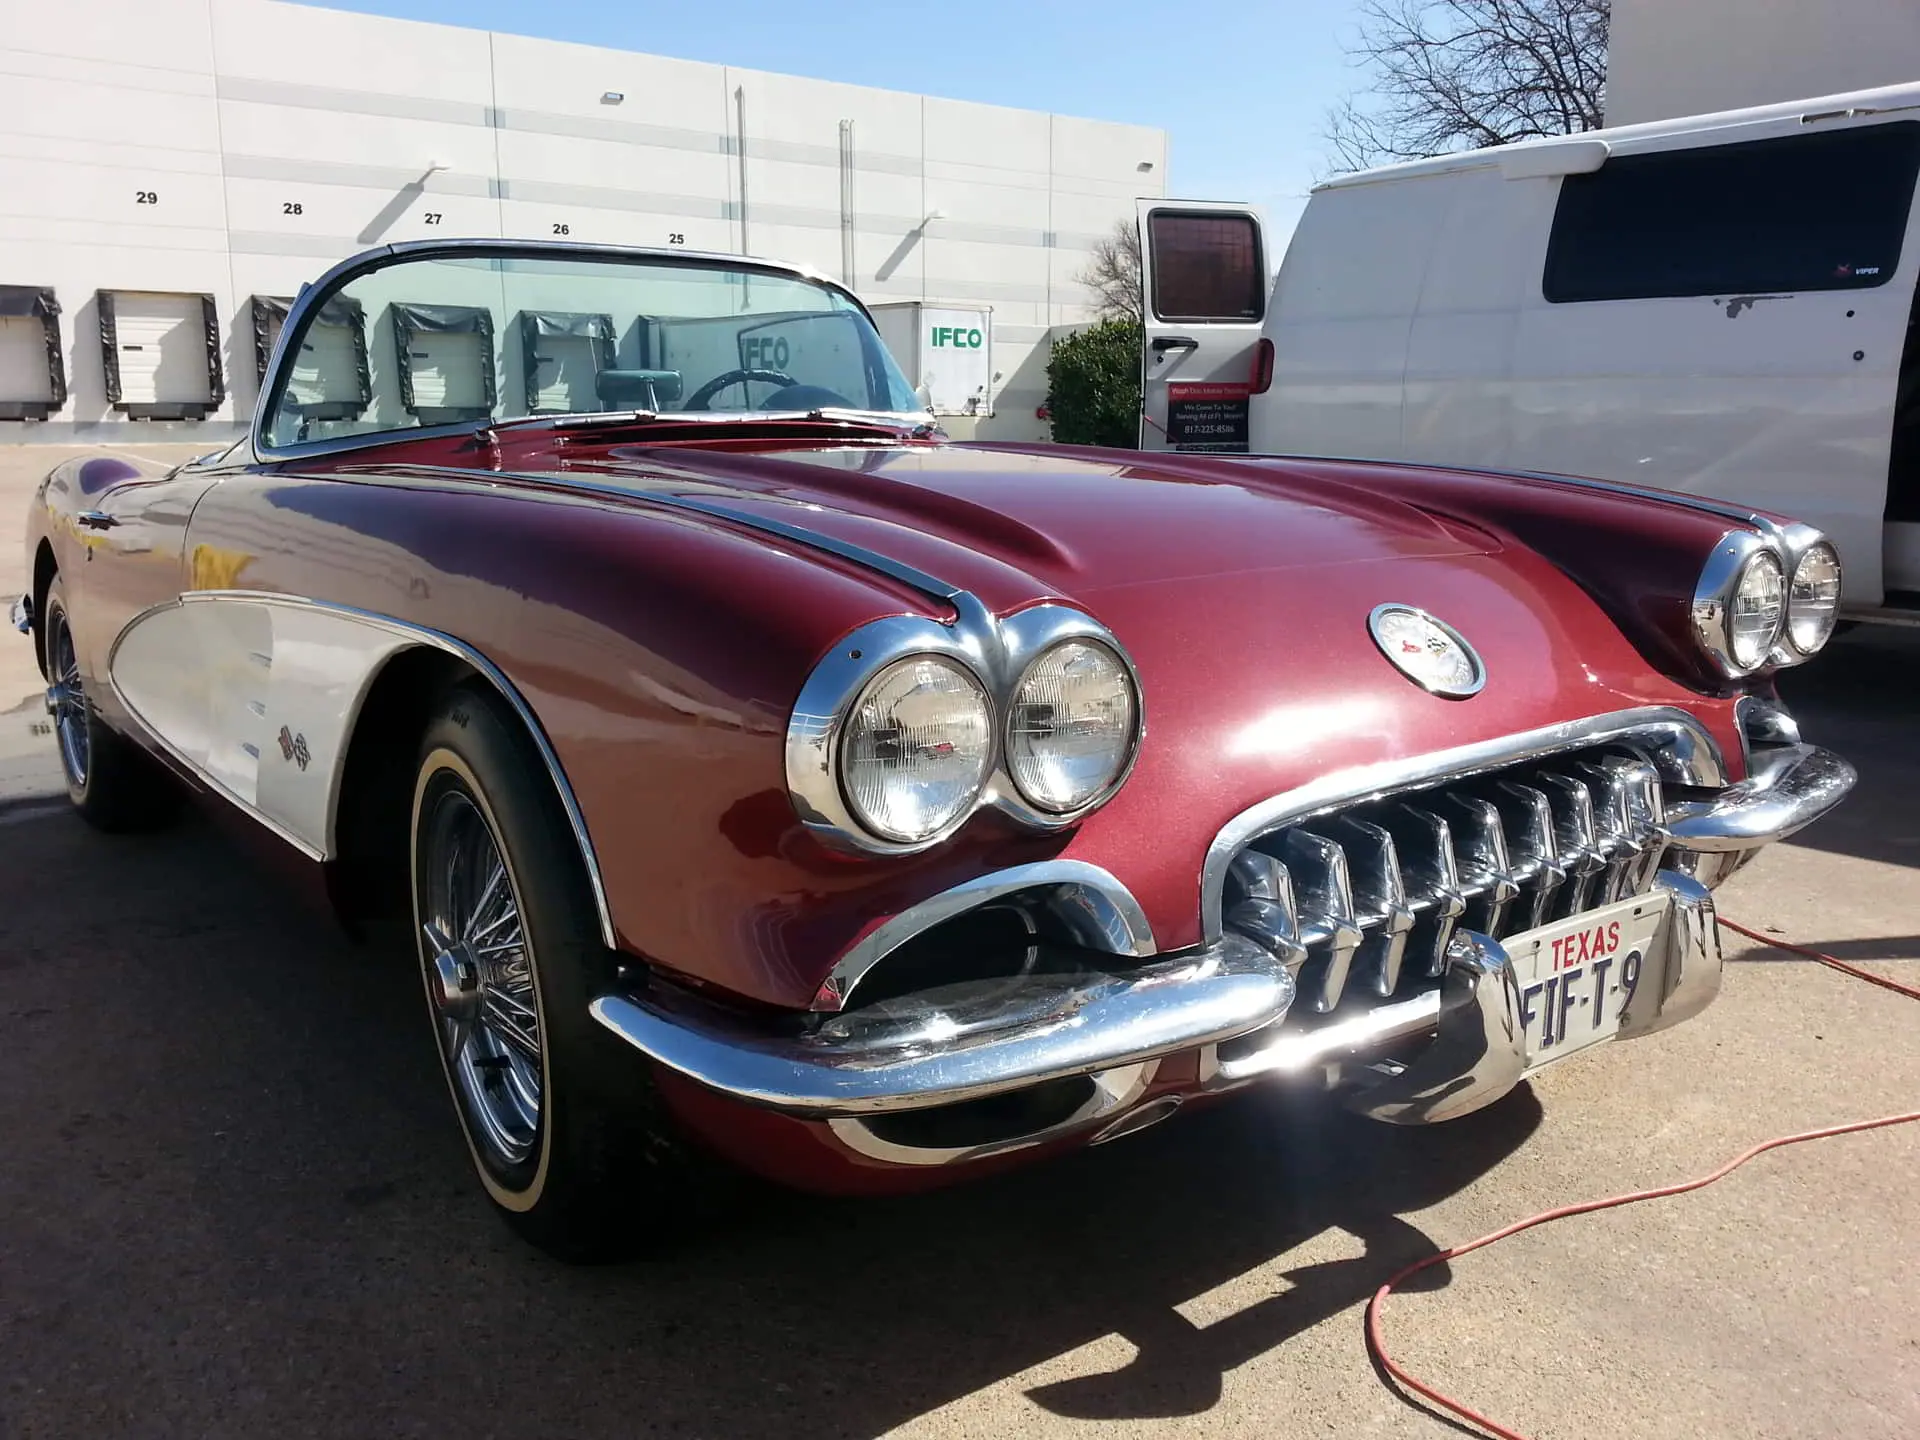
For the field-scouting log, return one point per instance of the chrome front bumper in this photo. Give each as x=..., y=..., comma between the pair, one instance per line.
x=967, y=1041
x=1090, y=1013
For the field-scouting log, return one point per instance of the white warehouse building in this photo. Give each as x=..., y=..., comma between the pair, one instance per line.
x=172, y=170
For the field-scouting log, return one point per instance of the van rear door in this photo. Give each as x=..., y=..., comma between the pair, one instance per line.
x=1206, y=282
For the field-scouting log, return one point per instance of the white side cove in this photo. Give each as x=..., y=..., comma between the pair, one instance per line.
x=258, y=698
x=259, y=694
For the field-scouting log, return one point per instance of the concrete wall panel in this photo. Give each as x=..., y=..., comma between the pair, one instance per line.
x=270, y=40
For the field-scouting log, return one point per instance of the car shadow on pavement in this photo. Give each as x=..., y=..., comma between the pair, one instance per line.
x=1861, y=697
x=237, y=1204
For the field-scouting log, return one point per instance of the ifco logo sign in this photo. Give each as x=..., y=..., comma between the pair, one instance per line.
x=955, y=337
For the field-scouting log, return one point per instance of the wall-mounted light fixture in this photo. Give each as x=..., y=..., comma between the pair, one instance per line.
x=611, y=97
x=1144, y=166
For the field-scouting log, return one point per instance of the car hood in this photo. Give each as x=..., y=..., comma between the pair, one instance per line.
x=1015, y=526
x=1240, y=586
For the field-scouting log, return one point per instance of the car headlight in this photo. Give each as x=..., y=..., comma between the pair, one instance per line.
x=916, y=748
x=1755, y=611
x=1072, y=726
x=1740, y=602
x=1813, y=601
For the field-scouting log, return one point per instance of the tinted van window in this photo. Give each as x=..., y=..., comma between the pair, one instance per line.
x=1206, y=267
x=1805, y=212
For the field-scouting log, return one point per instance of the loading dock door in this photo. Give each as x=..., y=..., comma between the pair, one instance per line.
x=161, y=352
x=445, y=355
x=330, y=378
x=33, y=379
x=23, y=359
x=562, y=355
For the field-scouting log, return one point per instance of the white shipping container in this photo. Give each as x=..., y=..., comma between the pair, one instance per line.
x=946, y=352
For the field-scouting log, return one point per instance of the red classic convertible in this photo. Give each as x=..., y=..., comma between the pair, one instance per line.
x=761, y=773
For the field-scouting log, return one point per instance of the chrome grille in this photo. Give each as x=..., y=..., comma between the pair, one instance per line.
x=1361, y=902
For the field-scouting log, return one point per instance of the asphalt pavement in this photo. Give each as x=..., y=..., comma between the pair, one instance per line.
x=233, y=1201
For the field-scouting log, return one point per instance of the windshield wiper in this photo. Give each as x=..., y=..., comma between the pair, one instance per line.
x=570, y=419
x=828, y=415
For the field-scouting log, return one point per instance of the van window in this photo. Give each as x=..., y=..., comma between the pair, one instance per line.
x=1805, y=212
x=1206, y=267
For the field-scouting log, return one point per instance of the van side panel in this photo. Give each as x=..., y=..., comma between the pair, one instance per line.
x=1754, y=399
x=1410, y=323
x=1342, y=307
x=1460, y=375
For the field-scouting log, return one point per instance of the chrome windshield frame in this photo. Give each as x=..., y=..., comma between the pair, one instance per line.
x=316, y=293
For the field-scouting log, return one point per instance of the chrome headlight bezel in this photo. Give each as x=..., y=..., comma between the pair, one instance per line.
x=966, y=714
x=1720, y=580
x=1713, y=596
x=1117, y=775
x=1794, y=651
x=997, y=652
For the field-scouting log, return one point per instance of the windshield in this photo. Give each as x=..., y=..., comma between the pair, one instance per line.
x=458, y=337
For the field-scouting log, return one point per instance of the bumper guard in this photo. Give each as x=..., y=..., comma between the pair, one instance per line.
x=966, y=1041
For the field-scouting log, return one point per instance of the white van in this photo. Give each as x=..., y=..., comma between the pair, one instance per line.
x=1721, y=304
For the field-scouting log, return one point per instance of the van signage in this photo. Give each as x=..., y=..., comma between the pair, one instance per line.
x=1208, y=416
x=765, y=352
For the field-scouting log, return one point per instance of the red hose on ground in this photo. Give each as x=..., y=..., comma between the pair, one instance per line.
x=1376, y=1340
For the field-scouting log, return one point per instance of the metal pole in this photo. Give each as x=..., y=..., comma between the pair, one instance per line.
x=848, y=223
x=740, y=122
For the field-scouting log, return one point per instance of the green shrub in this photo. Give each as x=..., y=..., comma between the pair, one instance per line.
x=1093, y=386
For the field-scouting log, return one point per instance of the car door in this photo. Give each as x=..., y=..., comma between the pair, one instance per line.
x=1206, y=283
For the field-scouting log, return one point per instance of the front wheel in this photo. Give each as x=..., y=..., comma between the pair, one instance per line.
x=560, y=1119
x=111, y=782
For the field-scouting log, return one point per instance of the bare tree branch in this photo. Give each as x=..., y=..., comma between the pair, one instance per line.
x=1113, y=274
x=1465, y=74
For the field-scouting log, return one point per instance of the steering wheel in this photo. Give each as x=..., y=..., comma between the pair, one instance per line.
x=703, y=397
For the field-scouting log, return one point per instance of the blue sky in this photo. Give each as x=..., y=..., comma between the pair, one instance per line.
x=1241, y=86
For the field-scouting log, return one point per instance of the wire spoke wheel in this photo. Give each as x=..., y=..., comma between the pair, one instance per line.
x=66, y=700
x=479, y=973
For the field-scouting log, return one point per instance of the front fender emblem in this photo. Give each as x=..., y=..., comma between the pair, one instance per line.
x=1427, y=650
x=294, y=747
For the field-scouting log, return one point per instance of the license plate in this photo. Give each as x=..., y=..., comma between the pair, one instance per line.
x=1578, y=976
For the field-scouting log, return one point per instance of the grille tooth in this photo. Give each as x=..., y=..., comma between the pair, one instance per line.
x=1528, y=816
x=1380, y=900
x=1329, y=927
x=1266, y=912
x=1647, y=804
x=1610, y=829
x=1430, y=876
x=1261, y=877
x=1480, y=846
x=1579, y=848
x=1626, y=802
